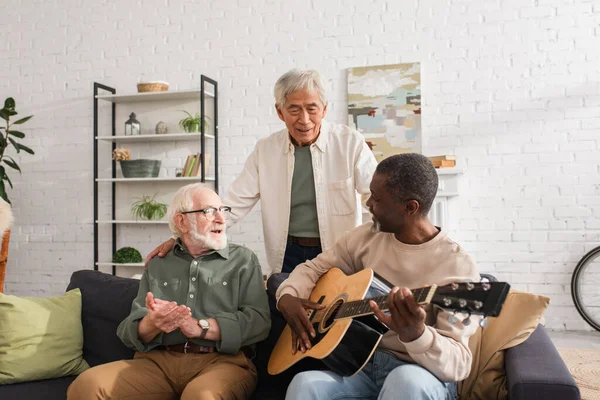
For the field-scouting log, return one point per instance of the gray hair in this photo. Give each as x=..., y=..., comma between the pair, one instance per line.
x=410, y=176
x=298, y=79
x=183, y=201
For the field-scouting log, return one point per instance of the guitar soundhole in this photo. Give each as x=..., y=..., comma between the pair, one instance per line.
x=330, y=315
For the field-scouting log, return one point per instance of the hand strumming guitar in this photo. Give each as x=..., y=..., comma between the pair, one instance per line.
x=407, y=317
x=294, y=311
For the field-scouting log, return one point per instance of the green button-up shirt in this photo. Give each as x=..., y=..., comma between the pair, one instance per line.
x=226, y=285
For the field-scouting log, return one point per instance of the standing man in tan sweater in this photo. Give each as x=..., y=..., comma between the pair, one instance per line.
x=423, y=355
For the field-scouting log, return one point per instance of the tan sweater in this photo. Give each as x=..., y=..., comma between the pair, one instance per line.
x=443, y=348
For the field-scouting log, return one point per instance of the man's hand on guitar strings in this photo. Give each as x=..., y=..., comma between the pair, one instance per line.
x=407, y=317
x=294, y=311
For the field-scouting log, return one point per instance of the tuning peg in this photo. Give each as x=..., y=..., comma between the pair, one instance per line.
x=467, y=321
x=484, y=322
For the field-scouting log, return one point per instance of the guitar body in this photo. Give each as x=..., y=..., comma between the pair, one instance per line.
x=344, y=345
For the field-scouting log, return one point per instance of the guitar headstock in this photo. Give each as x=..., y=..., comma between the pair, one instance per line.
x=484, y=298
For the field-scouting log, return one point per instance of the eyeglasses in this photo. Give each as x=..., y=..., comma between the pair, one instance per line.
x=210, y=212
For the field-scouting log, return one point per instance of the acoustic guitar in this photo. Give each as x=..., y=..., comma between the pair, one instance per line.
x=347, y=331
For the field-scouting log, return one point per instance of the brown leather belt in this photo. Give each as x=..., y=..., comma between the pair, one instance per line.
x=188, y=347
x=193, y=348
x=305, y=241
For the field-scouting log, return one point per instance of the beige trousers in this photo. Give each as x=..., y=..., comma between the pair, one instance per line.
x=161, y=374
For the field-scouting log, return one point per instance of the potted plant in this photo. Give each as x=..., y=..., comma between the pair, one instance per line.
x=192, y=122
x=8, y=137
x=140, y=168
x=127, y=255
x=148, y=208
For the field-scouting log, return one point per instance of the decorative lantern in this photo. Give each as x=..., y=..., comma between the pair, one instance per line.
x=132, y=126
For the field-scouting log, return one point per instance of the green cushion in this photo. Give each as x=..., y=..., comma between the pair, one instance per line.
x=40, y=338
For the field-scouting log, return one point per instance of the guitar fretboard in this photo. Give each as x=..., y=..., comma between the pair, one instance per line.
x=361, y=307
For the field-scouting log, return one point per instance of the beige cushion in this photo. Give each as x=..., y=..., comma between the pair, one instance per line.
x=519, y=317
x=40, y=338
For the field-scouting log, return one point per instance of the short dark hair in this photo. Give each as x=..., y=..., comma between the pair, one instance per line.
x=410, y=176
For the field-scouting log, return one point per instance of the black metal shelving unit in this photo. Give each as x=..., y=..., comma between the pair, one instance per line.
x=204, y=80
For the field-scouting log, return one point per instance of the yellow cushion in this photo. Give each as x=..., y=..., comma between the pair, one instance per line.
x=40, y=338
x=519, y=317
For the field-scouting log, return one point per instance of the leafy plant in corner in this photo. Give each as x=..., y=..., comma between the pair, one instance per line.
x=148, y=208
x=7, y=137
x=192, y=123
x=127, y=255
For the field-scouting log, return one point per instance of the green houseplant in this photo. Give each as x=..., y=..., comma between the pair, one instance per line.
x=148, y=208
x=192, y=122
x=127, y=255
x=8, y=137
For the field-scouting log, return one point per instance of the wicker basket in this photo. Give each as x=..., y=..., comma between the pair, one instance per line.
x=140, y=168
x=152, y=87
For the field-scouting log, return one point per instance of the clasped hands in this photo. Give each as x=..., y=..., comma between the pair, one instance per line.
x=407, y=317
x=167, y=316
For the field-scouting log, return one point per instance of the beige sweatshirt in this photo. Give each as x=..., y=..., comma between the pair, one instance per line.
x=443, y=348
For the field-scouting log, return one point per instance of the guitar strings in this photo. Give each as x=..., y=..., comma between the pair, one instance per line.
x=362, y=307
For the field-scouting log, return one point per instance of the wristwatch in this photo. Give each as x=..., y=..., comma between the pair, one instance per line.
x=205, y=326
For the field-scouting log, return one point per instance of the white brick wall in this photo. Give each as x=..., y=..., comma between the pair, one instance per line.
x=511, y=87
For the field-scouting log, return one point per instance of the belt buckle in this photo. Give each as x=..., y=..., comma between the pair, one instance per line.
x=186, y=346
x=207, y=349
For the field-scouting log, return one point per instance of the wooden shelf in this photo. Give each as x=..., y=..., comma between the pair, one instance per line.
x=450, y=171
x=109, y=264
x=193, y=94
x=132, y=222
x=184, y=179
x=167, y=137
x=447, y=194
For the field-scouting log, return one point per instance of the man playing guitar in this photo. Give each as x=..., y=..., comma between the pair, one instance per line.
x=426, y=351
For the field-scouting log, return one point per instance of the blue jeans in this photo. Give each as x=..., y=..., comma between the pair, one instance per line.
x=383, y=378
x=296, y=254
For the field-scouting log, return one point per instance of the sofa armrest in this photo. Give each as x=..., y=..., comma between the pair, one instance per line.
x=535, y=370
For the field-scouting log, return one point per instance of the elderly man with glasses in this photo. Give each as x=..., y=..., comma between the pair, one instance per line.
x=308, y=177
x=198, y=312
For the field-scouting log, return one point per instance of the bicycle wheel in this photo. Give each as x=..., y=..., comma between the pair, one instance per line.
x=585, y=288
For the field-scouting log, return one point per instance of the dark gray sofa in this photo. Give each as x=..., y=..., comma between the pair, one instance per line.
x=534, y=368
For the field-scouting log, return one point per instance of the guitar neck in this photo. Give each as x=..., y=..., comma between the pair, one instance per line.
x=360, y=308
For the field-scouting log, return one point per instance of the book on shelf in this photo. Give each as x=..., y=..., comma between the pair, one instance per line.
x=444, y=164
x=443, y=161
x=193, y=164
x=196, y=166
x=442, y=158
x=188, y=170
x=186, y=165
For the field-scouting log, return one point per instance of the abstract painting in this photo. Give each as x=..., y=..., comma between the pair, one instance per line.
x=384, y=104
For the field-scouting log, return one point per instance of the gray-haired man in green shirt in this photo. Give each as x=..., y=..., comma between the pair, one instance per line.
x=191, y=323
